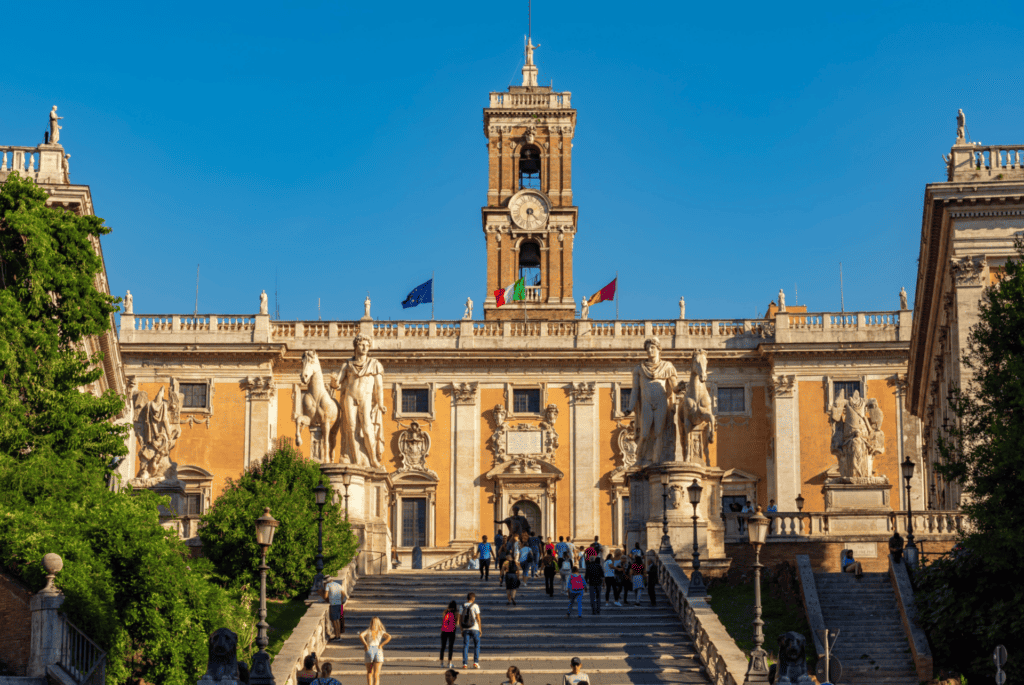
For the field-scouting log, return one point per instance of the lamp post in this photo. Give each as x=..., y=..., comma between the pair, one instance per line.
x=321, y=499
x=346, y=480
x=757, y=531
x=666, y=543
x=799, y=502
x=261, y=673
x=910, y=552
x=697, y=586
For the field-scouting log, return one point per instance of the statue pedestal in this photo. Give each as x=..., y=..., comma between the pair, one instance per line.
x=171, y=513
x=369, y=504
x=864, y=494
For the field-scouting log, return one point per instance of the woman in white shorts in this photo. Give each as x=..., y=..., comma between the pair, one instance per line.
x=374, y=638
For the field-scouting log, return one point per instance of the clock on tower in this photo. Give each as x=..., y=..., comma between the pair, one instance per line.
x=529, y=221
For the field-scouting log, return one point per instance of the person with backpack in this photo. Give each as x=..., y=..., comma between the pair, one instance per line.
x=610, y=585
x=564, y=569
x=594, y=576
x=577, y=586
x=472, y=625
x=512, y=572
x=484, y=552
x=448, y=623
x=527, y=561
x=325, y=676
x=550, y=567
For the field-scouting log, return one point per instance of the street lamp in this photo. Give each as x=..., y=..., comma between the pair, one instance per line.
x=757, y=669
x=799, y=502
x=666, y=543
x=321, y=499
x=697, y=587
x=261, y=673
x=346, y=480
x=907, y=466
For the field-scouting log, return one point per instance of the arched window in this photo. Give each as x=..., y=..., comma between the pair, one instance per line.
x=529, y=167
x=529, y=262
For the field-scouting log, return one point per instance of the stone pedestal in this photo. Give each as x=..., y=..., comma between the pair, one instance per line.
x=870, y=495
x=369, y=504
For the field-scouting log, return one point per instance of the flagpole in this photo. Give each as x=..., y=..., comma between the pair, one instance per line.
x=432, y=298
x=616, y=295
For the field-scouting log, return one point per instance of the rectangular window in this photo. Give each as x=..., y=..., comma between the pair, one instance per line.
x=195, y=395
x=193, y=504
x=415, y=401
x=526, y=401
x=849, y=387
x=731, y=400
x=624, y=397
x=414, y=522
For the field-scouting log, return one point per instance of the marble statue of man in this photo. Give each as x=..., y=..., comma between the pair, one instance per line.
x=584, y=308
x=530, y=47
x=263, y=303
x=54, y=126
x=682, y=308
x=903, y=298
x=782, y=300
x=654, y=383
x=128, y=303
x=961, y=124
x=469, y=309
x=362, y=400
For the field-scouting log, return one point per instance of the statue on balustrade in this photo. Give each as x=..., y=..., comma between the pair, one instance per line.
x=263, y=303
x=903, y=298
x=696, y=417
x=782, y=300
x=54, y=126
x=468, y=314
x=961, y=125
x=584, y=308
x=157, y=425
x=362, y=397
x=654, y=383
x=128, y=303
x=682, y=308
x=857, y=437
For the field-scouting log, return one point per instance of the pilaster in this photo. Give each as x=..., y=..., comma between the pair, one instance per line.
x=260, y=390
x=466, y=468
x=585, y=472
x=786, y=476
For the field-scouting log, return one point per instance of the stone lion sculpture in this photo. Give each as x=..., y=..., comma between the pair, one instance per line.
x=222, y=665
x=792, y=665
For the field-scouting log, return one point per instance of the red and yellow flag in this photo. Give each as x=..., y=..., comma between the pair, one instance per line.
x=604, y=294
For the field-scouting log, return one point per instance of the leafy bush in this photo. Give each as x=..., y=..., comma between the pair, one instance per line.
x=284, y=481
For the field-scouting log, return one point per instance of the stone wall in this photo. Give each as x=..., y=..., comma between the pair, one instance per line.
x=16, y=619
x=824, y=555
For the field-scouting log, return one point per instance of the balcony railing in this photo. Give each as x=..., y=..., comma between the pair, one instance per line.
x=788, y=525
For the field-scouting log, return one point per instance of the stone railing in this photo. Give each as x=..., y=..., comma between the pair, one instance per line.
x=541, y=100
x=788, y=526
x=571, y=334
x=455, y=561
x=724, y=662
x=974, y=161
x=312, y=632
x=43, y=164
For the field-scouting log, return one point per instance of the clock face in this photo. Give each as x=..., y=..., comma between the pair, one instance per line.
x=529, y=210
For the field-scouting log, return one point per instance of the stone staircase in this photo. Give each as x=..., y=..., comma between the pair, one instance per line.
x=872, y=645
x=628, y=644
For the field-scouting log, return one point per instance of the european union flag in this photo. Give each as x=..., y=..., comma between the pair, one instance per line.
x=421, y=294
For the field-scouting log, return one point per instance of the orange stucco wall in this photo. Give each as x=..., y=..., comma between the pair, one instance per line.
x=815, y=440
x=742, y=442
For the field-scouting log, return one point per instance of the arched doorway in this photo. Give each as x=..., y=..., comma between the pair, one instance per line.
x=532, y=513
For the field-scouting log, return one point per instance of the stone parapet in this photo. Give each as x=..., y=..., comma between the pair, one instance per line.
x=577, y=334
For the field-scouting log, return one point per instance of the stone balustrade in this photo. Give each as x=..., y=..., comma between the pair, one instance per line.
x=531, y=100
x=43, y=164
x=974, y=161
x=571, y=334
x=788, y=526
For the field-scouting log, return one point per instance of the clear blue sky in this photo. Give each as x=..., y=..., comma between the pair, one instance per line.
x=722, y=150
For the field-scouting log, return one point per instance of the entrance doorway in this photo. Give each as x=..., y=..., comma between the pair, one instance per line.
x=532, y=513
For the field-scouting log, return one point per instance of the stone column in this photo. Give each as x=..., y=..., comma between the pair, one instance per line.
x=47, y=623
x=369, y=495
x=586, y=471
x=261, y=390
x=466, y=471
x=785, y=477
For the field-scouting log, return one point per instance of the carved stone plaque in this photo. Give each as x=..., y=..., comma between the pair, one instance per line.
x=524, y=442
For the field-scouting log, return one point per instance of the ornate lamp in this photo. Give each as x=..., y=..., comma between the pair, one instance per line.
x=321, y=499
x=346, y=480
x=799, y=502
x=910, y=552
x=697, y=586
x=666, y=543
x=261, y=673
x=757, y=530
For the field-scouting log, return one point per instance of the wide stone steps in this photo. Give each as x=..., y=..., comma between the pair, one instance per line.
x=621, y=645
x=872, y=645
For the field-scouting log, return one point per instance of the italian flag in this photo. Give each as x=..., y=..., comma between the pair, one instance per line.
x=513, y=293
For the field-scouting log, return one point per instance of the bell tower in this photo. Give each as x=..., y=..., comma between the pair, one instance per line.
x=529, y=221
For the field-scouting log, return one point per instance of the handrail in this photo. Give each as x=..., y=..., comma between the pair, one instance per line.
x=80, y=657
x=453, y=561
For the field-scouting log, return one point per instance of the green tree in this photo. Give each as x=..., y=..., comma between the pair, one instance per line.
x=284, y=481
x=130, y=584
x=970, y=600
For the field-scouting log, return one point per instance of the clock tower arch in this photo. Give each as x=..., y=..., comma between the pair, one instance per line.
x=529, y=221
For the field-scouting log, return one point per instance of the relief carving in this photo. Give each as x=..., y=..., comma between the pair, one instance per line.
x=856, y=437
x=782, y=386
x=260, y=387
x=967, y=270
x=464, y=393
x=582, y=393
x=414, y=447
x=627, y=445
x=157, y=426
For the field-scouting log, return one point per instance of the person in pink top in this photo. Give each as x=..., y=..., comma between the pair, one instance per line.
x=448, y=625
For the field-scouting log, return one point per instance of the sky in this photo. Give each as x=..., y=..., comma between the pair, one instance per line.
x=321, y=151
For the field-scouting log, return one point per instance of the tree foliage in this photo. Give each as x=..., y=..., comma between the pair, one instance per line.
x=129, y=584
x=284, y=481
x=970, y=601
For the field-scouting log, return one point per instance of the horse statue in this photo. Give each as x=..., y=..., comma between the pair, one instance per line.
x=696, y=409
x=319, y=408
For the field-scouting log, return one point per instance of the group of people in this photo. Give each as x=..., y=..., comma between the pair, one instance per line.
x=373, y=638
